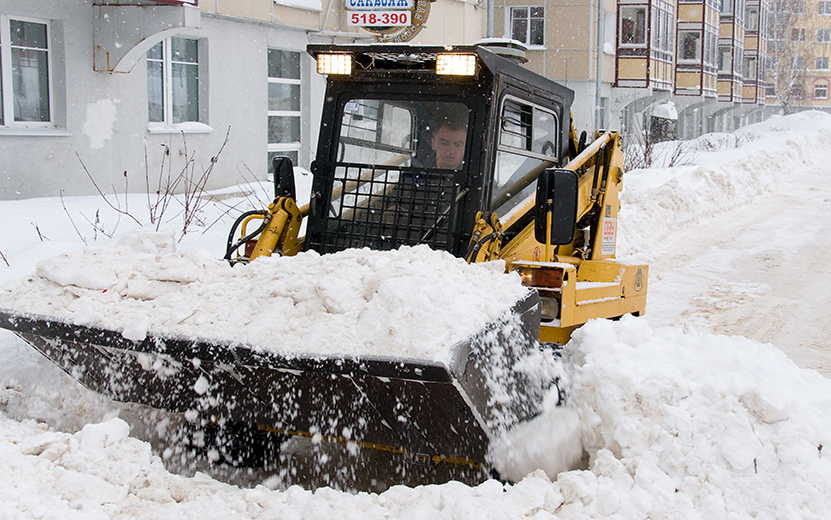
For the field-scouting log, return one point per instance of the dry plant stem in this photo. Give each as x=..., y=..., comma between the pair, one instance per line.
x=4, y=259
x=97, y=226
x=160, y=198
x=227, y=211
x=165, y=188
x=40, y=235
x=681, y=155
x=253, y=180
x=110, y=204
x=82, y=237
x=195, y=187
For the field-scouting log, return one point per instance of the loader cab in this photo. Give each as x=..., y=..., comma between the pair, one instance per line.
x=408, y=155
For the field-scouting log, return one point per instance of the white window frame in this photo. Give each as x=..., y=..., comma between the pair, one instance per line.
x=167, y=125
x=824, y=8
x=636, y=44
x=725, y=7
x=822, y=63
x=725, y=59
x=6, y=73
x=527, y=39
x=698, y=48
x=823, y=35
x=751, y=19
x=293, y=146
x=749, y=72
x=818, y=87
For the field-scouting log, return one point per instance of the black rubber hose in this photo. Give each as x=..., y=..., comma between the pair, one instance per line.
x=230, y=245
x=474, y=251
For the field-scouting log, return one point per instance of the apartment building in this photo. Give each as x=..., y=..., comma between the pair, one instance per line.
x=571, y=43
x=799, y=55
x=756, y=40
x=130, y=89
x=702, y=61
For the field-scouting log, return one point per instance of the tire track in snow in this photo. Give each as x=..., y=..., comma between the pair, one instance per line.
x=759, y=271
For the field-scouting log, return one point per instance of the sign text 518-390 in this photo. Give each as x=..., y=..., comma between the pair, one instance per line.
x=379, y=18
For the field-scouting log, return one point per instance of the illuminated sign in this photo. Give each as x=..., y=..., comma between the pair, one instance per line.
x=380, y=18
x=392, y=21
x=367, y=5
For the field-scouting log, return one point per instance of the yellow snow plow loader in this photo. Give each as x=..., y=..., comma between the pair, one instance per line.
x=461, y=149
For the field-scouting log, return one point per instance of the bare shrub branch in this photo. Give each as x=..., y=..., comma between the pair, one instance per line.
x=82, y=237
x=104, y=196
x=185, y=188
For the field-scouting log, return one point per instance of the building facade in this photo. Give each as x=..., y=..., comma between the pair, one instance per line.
x=125, y=91
x=799, y=75
x=702, y=61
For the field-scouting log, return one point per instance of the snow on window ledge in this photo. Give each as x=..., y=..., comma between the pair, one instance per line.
x=309, y=5
x=34, y=131
x=190, y=127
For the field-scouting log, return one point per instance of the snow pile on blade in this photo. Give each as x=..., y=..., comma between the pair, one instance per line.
x=681, y=425
x=410, y=303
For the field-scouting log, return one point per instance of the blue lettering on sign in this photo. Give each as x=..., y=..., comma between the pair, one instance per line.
x=378, y=4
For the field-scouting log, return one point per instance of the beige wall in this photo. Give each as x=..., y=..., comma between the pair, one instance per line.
x=450, y=22
x=570, y=39
x=690, y=13
x=252, y=9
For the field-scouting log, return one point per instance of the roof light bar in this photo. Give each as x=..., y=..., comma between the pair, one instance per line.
x=334, y=64
x=456, y=64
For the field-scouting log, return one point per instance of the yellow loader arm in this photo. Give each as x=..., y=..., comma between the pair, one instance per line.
x=579, y=279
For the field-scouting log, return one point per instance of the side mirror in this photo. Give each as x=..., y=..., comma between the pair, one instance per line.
x=283, y=178
x=557, y=195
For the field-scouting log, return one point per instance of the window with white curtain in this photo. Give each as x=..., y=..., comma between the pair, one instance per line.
x=173, y=81
x=283, y=105
x=25, y=72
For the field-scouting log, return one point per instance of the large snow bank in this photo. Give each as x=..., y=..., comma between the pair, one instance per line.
x=723, y=171
x=688, y=425
x=413, y=302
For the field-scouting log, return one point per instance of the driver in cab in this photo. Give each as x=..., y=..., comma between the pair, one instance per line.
x=448, y=142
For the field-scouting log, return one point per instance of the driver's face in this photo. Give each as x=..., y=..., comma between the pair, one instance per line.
x=449, y=146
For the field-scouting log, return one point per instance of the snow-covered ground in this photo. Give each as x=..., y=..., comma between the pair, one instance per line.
x=713, y=405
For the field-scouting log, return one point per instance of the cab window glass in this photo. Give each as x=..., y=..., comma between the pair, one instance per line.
x=387, y=143
x=375, y=131
x=404, y=133
x=527, y=144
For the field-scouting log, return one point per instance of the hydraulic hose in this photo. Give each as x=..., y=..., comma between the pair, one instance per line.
x=232, y=246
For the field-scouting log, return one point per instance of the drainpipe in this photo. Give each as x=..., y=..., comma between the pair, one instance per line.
x=598, y=110
x=490, y=19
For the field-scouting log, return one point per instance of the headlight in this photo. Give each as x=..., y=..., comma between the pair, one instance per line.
x=334, y=64
x=456, y=64
x=549, y=308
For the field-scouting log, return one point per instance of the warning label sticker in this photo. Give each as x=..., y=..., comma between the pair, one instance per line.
x=609, y=236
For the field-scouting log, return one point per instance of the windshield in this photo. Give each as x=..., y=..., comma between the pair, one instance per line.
x=404, y=133
x=398, y=174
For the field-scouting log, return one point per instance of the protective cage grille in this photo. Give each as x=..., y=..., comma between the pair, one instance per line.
x=383, y=208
